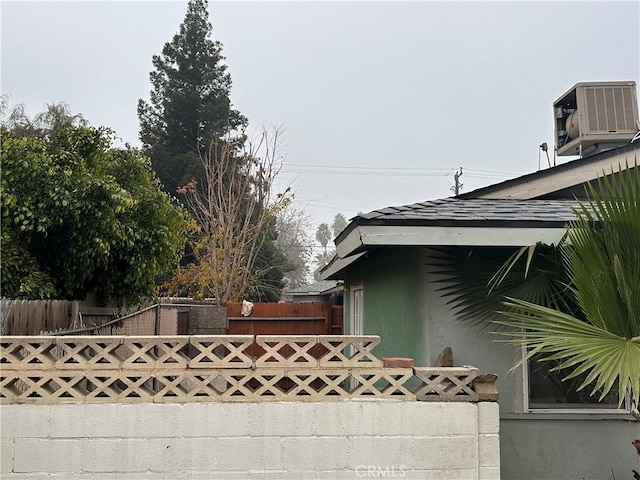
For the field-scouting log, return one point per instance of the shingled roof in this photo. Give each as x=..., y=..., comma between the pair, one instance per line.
x=457, y=210
x=317, y=288
x=453, y=221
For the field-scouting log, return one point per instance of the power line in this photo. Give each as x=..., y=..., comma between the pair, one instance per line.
x=372, y=168
x=384, y=173
x=360, y=166
x=392, y=172
x=322, y=203
x=488, y=171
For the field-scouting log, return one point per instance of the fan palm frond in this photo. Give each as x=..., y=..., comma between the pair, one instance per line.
x=603, y=261
x=475, y=281
x=606, y=358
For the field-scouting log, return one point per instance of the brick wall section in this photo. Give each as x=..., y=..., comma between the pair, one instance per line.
x=284, y=440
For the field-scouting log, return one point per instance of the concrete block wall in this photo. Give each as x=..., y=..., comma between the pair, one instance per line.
x=284, y=440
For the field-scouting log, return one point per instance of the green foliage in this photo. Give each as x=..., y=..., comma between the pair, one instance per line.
x=604, y=257
x=79, y=216
x=475, y=281
x=189, y=103
x=603, y=260
x=21, y=275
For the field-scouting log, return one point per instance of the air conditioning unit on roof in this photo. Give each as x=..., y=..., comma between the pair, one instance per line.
x=595, y=116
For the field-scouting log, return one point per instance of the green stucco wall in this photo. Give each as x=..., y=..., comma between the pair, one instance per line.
x=392, y=300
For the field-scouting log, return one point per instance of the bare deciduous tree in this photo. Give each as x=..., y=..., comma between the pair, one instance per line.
x=234, y=211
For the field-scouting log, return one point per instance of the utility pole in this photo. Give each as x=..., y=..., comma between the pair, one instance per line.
x=457, y=186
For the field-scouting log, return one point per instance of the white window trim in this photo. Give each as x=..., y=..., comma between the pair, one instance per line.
x=585, y=411
x=352, y=313
x=353, y=383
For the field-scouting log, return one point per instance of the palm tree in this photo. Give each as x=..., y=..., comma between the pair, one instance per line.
x=574, y=306
x=602, y=258
x=323, y=235
x=476, y=280
x=339, y=224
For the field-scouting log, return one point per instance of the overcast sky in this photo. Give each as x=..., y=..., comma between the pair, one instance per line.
x=382, y=102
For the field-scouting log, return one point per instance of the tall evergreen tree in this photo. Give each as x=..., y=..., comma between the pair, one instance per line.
x=188, y=112
x=189, y=103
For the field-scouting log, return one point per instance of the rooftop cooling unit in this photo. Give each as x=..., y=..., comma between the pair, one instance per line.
x=595, y=116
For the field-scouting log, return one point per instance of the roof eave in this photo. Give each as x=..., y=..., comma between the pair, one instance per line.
x=366, y=237
x=334, y=270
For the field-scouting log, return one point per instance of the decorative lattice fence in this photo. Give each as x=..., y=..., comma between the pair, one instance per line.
x=50, y=369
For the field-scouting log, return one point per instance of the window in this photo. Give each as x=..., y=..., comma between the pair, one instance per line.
x=357, y=321
x=546, y=391
x=357, y=314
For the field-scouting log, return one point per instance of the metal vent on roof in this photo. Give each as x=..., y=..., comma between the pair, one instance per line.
x=597, y=116
x=609, y=109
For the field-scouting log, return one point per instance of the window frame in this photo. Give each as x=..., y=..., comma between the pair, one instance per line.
x=352, y=317
x=592, y=409
x=354, y=290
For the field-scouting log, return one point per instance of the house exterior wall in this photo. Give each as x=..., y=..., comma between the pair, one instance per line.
x=564, y=446
x=392, y=301
x=285, y=440
x=533, y=446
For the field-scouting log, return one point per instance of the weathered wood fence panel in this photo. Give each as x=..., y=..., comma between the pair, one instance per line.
x=269, y=319
x=337, y=320
x=32, y=317
x=314, y=318
x=279, y=310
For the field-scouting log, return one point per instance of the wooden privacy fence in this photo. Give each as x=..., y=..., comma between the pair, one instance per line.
x=219, y=368
x=170, y=317
x=313, y=318
x=38, y=317
x=31, y=317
